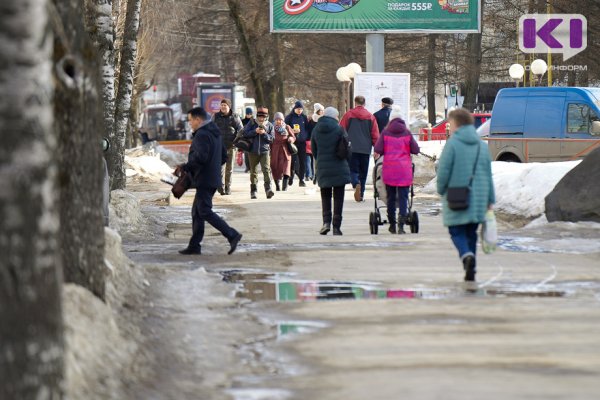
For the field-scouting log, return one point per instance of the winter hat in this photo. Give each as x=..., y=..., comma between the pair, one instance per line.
x=278, y=115
x=226, y=101
x=298, y=104
x=318, y=106
x=331, y=112
x=248, y=110
x=396, y=113
x=387, y=100
x=262, y=112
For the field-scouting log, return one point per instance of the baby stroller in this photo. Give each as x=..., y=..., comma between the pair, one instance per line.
x=380, y=192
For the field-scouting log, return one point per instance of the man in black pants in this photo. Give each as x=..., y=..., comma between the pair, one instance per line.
x=206, y=156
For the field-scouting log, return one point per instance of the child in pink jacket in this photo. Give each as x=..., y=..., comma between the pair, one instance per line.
x=397, y=144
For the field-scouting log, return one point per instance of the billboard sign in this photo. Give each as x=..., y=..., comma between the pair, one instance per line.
x=370, y=16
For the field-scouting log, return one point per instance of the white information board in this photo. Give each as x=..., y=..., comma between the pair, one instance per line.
x=376, y=85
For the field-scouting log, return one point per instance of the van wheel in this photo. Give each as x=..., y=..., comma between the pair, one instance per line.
x=509, y=157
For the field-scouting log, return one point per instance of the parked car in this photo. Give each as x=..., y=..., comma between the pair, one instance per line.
x=544, y=124
x=438, y=131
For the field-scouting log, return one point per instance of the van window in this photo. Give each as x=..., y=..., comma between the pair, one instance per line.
x=579, y=118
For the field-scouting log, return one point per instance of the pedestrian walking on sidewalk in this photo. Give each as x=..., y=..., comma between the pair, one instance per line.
x=332, y=172
x=245, y=121
x=363, y=133
x=299, y=123
x=465, y=161
x=396, y=143
x=281, y=158
x=229, y=124
x=206, y=156
x=383, y=116
x=312, y=122
x=260, y=130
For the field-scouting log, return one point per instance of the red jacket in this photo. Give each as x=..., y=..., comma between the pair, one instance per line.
x=363, y=131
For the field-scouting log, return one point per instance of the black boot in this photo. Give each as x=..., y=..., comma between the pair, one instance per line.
x=337, y=223
x=227, y=190
x=392, y=221
x=285, y=183
x=325, y=229
x=268, y=191
x=277, y=187
x=401, y=222
x=469, y=267
x=252, y=191
x=221, y=190
x=291, y=180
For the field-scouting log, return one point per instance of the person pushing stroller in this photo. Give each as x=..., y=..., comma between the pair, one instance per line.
x=396, y=143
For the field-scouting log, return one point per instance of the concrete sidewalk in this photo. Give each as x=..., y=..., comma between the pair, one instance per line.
x=528, y=330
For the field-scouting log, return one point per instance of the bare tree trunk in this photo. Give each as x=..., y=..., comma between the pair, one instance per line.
x=124, y=93
x=31, y=328
x=98, y=19
x=79, y=123
x=247, y=51
x=431, y=73
x=473, y=70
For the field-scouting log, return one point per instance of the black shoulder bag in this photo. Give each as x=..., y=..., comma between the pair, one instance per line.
x=458, y=197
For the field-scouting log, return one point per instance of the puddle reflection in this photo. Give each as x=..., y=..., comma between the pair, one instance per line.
x=263, y=287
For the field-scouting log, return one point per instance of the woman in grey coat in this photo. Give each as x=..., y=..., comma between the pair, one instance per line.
x=333, y=173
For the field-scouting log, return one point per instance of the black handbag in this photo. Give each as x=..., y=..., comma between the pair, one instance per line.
x=242, y=143
x=343, y=149
x=458, y=197
x=292, y=148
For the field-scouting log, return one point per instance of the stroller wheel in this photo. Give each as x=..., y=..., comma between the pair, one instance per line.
x=414, y=222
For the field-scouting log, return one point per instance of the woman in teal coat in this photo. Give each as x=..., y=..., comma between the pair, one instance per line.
x=333, y=173
x=454, y=170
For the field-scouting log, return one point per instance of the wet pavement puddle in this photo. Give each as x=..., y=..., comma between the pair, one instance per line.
x=261, y=286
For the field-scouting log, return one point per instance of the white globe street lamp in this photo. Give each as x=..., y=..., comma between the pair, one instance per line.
x=342, y=74
x=353, y=69
x=516, y=72
x=539, y=68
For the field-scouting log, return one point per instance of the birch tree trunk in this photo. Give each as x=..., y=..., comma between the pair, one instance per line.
x=99, y=24
x=80, y=125
x=31, y=328
x=124, y=93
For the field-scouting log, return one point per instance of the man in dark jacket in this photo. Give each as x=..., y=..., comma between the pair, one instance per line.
x=260, y=131
x=363, y=133
x=229, y=124
x=206, y=156
x=383, y=116
x=298, y=121
x=245, y=121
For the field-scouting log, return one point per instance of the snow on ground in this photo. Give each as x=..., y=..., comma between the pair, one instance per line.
x=151, y=161
x=124, y=211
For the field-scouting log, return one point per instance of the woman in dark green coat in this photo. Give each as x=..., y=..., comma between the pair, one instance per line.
x=333, y=173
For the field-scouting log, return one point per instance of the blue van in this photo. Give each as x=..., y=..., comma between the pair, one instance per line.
x=541, y=124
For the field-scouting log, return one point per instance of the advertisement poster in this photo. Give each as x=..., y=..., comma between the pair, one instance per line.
x=210, y=98
x=375, y=16
x=376, y=85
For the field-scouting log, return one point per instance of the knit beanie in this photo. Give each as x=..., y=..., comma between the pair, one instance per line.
x=226, y=101
x=298, y=104
x=278, y=115
x=248, y=110
x=318, y=106
x=331, y=112
x=396, y=113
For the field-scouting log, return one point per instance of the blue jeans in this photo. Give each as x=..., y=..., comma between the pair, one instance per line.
x=359, y=168
x=464, y=238
x=309, y=171
x=393, y=193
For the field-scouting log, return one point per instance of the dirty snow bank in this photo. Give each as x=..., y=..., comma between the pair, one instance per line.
x=101, y=338
x=522, y=188
x=124, y=212
x=151, y=161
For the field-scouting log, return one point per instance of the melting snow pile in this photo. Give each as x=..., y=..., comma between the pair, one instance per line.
x=522, y=188
x=151, y=161
x=124, y=211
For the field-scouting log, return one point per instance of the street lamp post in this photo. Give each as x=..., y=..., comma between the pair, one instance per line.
x=346, y=75
x=539, y=68
x=516, y=72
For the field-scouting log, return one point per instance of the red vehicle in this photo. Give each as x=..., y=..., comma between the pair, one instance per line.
x=438, y=131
